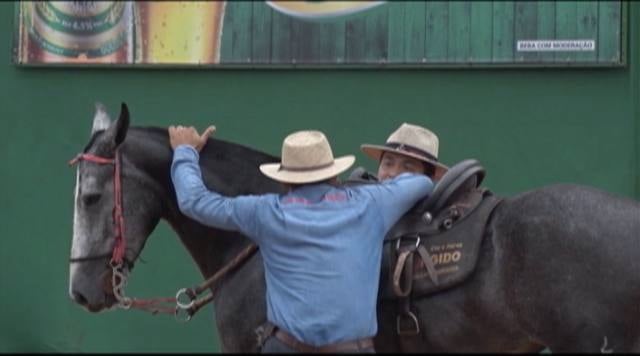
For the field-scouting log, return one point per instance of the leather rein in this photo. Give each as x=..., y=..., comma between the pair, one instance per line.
x=186, y=300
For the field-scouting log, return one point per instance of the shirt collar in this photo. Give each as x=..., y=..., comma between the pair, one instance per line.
x=312, y=192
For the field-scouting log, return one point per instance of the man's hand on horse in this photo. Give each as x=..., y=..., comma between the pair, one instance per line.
x=181, y=135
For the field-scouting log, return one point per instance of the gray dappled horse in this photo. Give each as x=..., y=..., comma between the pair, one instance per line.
x=558, y=266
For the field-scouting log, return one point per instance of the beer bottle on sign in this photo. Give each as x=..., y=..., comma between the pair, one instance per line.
x=76, y=32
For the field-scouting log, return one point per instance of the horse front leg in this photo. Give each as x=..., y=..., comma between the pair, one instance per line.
x=240, y=307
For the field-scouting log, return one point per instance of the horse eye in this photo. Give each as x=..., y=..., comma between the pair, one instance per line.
x=90, y=199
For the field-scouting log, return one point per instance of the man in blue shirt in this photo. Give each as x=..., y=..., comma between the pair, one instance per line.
x=321, y=243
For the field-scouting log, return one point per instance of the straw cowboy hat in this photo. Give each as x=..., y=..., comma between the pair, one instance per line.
x=413, y=141
x=306, y=158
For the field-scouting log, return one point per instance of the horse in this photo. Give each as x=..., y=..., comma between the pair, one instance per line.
x=557, y=267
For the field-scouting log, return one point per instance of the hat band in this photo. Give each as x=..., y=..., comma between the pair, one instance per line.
x=305, y=169
x=411, y=149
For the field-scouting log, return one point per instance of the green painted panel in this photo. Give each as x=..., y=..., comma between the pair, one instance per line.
x=261, y=33
x=437, y=35
x=526, y=27
x=281, y=38
x=566, y=27
x=609, y=37
x=546, y=27
x=329, y=46
x=395, y=48
x=376, y=36
x=481, y=31
x=301, y=40
x=318, y=42
x=587, y=28
x=354, y=45
x=236, y=36
x=503, y=43
x=414, y=35
x=366, y=37
x=459, y=31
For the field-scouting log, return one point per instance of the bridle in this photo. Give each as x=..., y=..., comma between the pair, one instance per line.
x=186, y=300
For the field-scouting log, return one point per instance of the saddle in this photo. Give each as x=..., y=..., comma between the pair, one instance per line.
x=435, y=245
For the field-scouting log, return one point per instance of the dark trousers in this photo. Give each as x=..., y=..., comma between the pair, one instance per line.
x=273, y=345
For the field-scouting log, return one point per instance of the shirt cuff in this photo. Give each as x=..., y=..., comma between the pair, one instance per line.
x=186, y=151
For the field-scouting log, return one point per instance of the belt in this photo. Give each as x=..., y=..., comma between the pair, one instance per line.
x=344, y=346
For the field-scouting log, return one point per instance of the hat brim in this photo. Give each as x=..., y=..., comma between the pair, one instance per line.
x=376, y=151
x=275, y=172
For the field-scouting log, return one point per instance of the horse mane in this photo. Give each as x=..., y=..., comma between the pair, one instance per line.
x=219, y=158
x=213, y=143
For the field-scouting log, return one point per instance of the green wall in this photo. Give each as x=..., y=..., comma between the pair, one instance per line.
x=528, y=127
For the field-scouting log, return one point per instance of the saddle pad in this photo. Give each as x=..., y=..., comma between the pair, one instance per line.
x=454, y=250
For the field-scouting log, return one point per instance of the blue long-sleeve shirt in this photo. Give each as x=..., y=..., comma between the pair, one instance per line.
x=321, y=245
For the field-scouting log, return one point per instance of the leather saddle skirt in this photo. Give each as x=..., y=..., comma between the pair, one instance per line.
x=436, y=244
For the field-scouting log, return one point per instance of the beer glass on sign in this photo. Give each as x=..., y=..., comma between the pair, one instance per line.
x=178, y=32
x=76, y=32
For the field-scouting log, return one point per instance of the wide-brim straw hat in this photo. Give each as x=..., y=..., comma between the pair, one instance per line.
x=306, y=158
x=412, y=141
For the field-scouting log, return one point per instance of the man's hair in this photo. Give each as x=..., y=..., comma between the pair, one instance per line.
x=429, y=169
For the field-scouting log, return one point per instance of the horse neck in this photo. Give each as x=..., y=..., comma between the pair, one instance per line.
x=210, y=248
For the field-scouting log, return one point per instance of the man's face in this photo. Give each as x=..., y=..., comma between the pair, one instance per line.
x=393, y=164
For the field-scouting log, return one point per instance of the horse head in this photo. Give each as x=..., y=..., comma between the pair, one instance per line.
x=123, y=189
x=103, y=172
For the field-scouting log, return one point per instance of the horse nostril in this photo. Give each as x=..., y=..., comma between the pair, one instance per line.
x=79, y=298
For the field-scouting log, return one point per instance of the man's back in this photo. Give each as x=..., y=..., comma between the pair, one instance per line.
x=322, y=250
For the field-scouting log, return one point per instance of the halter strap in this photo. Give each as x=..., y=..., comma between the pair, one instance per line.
x=91, y=258
x=91, y=158
x=117, y=255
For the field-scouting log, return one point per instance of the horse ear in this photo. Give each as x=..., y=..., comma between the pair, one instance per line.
x=101, y=120
x=118, y=130
x=122, y=125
